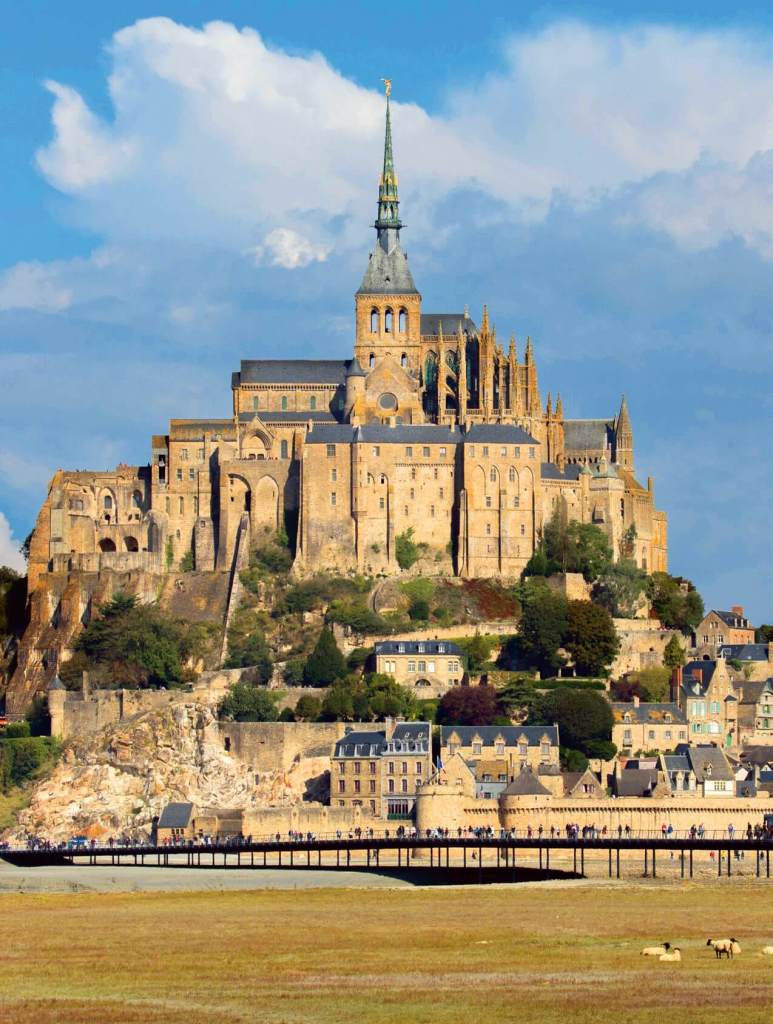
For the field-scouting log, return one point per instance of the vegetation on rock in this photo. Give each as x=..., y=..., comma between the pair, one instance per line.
x=247, y=703
x=675, y=601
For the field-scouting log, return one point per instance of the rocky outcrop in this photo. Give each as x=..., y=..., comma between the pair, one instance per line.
x=113, y=782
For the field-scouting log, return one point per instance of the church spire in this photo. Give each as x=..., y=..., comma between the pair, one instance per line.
x=388, y=220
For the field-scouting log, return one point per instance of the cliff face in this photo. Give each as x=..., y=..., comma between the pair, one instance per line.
x=114, y=782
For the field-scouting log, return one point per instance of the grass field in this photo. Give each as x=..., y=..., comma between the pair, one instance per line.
x=527, y=953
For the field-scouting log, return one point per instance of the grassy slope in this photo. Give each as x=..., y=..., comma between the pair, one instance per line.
x=526, y=954
x=10, y=805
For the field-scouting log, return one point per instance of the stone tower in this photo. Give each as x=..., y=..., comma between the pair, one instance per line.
x=387, y=303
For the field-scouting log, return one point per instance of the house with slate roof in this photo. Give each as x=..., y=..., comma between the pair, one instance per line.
x=512, y=747
x=429, y=667
x=641, y=726
x=718, y=629
x=381, y=771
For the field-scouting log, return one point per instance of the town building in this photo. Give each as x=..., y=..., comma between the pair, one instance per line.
x=719, y=628
x=705, y=691
x=380, y=771
x=516, y=747
x=640, y=727
x=430, y=667
x=754, y=660
x=701, y=769
x=755, y=711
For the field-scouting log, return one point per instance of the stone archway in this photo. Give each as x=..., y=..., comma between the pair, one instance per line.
x=106, y=544
x=132, y=544
x=265, y=507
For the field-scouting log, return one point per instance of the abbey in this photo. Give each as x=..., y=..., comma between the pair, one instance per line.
x=431, y=425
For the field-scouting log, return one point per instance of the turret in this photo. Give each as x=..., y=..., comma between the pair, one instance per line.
x=624, y=437
x=355, y=386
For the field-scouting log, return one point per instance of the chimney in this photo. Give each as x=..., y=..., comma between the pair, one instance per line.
x=676, y=686
x=737, y=609
x=389, y=727
x=636, y=701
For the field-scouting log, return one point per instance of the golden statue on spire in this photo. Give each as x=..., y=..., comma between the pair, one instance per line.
x=387, y=86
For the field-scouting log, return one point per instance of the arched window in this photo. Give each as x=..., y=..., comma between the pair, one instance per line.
x=493, y=475
x=374, y=321
x=108, y=502
x=511, y=475
x=403, y=360
x=313, y=403
x=284, y=403
x=388, y=320
x=371, y=361
x=283, y=449
x=403, y=322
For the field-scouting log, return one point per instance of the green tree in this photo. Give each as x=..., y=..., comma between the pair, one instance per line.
x=247, y=703
x=673, y=655
x=13, y=599
x=620, y=587
x=764, y=634
x=387, y=699
x=478, y=650
x=539, y=564
x=293, y=671
x=250, y=651
x=308, y=708
x=325, y=664
x=590, y=638
x=338, y=705
x=582, y=716
x=407, y=551
x=359, y=658
x=418, y=610
x=544, y=620
x=187, y=562
x=573, y=760
x=468, y=705
x=575, y=547
x=135, y=645
x=287, y=715
x=675, y=601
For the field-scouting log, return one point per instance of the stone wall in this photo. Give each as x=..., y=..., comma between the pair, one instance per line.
x=275, y=746
x=642, y=644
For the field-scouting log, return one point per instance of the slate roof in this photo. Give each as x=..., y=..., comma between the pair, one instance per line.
x=701, y=757
x=360, y=744
x=489, y=733
x=412, y=647
x=585, y=434
x=745, y=652
x=497, y=433
x=695, y=686
x=450, y=322
x=293, y=371
x=176, y=815
x=635, y=782
x=525, y=784
x=732, y=620
x=387, y=273
x=650, y=712
x=751, y=691
x=572, y=779
x=757, y=754
x=677, y=763
x=416, y=732
x=550, y=471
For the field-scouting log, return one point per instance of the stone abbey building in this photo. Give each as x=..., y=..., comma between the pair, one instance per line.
x=430, y=425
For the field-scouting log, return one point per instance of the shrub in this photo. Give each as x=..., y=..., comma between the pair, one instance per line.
x=673, y=655
x=582, y=716
x=356, y=615
x=620, y=587
x=17, y=730
x=468, y=705
x=407, y=550
x=387, y=699
x=247, y=703
x=287, y=715
x=308, y=708
x=187, y=561
x=250, y=650
x=675, y=601
x=325, y=664
x=359, y=658
x=419, y=610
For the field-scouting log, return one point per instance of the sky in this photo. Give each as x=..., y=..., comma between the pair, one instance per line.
x=183, y=185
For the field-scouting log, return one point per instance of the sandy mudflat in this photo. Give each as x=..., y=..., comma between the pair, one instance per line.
x=78, y=878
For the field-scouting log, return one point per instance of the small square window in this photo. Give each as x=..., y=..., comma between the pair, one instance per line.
x=409, y=451
x=331, y=450
x=503, y=451
x=179, y=474
x=517, y=452
x=332, y=497
x=485, y=451
x=425, y=452
x=442, y=453
x=376, y=450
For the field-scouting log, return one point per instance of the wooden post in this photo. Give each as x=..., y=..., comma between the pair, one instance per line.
x=691, y=853
x=618, y=861
x=610, y=861
x=654, y=864
x=645, y=861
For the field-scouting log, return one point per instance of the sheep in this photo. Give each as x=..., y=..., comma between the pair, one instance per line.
x=656, y=950
x=767, y=950
x=675, y=956
x=723, y=947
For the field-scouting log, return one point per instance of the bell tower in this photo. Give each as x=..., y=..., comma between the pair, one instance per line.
x=387, y=303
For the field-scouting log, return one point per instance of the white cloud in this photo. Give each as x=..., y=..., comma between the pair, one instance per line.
x=285, y=248
x=33, y=286
x=218, y=137
x=9, y=547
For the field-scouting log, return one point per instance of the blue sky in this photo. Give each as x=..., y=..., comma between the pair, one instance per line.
x=177, y=195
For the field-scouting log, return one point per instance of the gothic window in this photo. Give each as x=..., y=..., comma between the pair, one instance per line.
x=108, y=502
x=313, y=403
x=403, y=359
x=372, y=361
x=403, y=322
x=374, y=321
x=283, y=450
x=388, y=320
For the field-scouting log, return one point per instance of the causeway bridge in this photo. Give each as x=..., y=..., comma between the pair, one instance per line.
x=437, y=857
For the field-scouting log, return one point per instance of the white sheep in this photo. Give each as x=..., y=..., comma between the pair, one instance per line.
x=723, y=947
x=656, y=950
x=767, y=950
x=675, y=956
